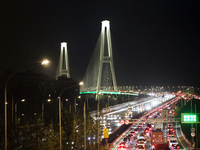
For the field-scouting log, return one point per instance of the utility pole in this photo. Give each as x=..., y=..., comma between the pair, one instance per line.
x=196, y=129
x=70, y=108
x=87, y=105
x=192, y=123
x=75, y=104
x=84, y=127
x=106, y=128
x=108, y=99
x=98, y=123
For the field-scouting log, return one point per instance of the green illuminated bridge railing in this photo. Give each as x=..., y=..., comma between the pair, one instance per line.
x=107, y=92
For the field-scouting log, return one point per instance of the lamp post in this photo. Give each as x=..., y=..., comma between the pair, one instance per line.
x=84, y=110
x=108, y=100
x=23, y=100
x=43, y=110
x=81, y=83
x=5, y=89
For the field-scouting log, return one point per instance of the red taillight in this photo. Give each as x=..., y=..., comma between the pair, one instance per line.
x=177, y=147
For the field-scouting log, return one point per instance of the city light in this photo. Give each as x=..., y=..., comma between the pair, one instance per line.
x=45, y=62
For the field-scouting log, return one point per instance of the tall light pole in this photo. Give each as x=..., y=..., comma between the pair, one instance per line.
x=84, y=110
x=23, y=100
x=108, y=100
x=43, y=111
x=5, y=89
x=81, y=83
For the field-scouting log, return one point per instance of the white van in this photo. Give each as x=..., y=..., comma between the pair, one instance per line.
x=173, y=140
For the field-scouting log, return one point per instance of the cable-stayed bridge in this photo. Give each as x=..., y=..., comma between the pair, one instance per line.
x=100, y=78
x=100, y=73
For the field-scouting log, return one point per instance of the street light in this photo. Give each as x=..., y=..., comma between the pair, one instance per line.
x=81, y=83
x=23, y=100
x=108, y=99
x=45, y=62
x=43, y=111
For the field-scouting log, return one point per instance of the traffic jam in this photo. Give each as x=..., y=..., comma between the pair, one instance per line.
x=152, y=133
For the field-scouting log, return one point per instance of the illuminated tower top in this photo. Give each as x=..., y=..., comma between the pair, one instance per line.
x=63, y=66
x=105, y=23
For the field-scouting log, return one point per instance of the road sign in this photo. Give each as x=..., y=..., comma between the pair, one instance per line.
x=189, y=118
x=192, y=129
x=127, y=122
x=173, y=106
x=105, y=133
x=164, y=113
x=192, y=134
x=122, y=122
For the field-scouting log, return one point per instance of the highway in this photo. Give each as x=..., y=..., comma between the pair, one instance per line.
x=113, y=121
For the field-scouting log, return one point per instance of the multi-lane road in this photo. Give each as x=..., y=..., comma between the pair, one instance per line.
x=113, y=123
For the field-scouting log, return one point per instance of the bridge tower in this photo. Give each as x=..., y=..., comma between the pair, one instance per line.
x=106, y=56
x=63, y=65
x=100, y=74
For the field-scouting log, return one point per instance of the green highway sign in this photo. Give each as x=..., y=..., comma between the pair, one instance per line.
x=189, y=118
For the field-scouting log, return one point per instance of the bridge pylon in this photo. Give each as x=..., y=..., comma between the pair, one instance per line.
x=63, y=65
x=100, y=74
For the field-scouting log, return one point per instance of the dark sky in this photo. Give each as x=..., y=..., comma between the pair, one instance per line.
x=155, y=42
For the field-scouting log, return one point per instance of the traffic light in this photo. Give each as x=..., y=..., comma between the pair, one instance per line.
x=189, y=118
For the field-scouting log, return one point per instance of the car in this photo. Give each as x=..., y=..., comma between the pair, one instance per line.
x=126, y=139
x=146, y=130
x=175, y=146
x=170, y=136
x=173, y=140
x=142, y=138
x=121, y=148
x=136, y=130
x=140, y=126
x=142, y=134
x=140, y=143
x=122, y=145
x=171, y=131
x=149, y=126
x=170, y=125
x=132, y=133
x=130, y=137
x=169, y=128
x=140, y=147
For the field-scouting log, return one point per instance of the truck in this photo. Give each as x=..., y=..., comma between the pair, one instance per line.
x=156, y=138
x=161, y=147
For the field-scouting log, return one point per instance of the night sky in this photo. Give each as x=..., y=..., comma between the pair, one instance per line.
x=155, y=42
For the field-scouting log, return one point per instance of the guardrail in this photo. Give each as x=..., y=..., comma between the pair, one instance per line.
x=126, y=104
x=183, y=135
x=120, y=106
